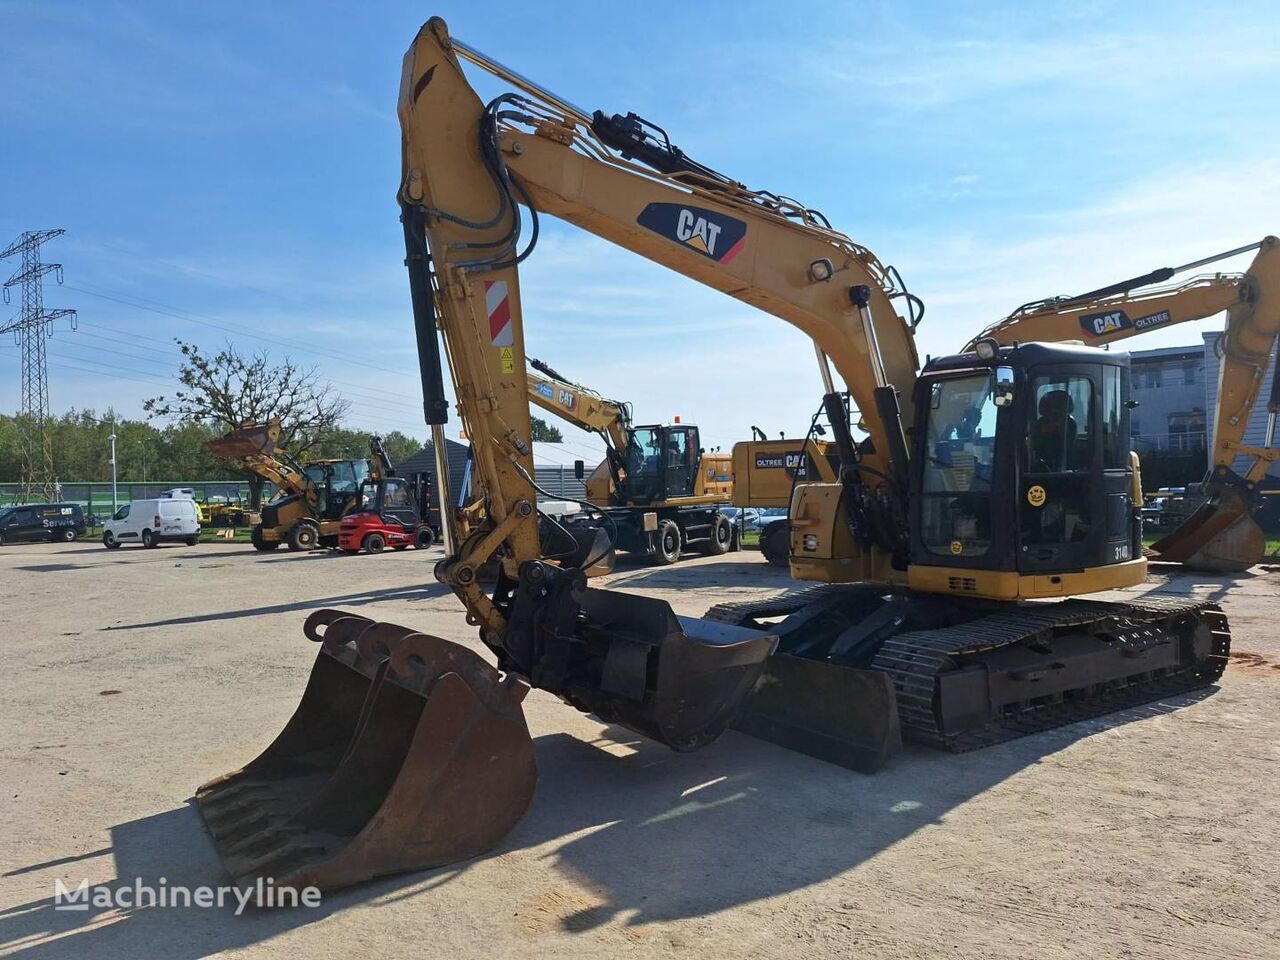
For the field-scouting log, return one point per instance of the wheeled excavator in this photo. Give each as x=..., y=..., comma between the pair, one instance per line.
x=1222, y=534
x=660, y=491
x=944, y=607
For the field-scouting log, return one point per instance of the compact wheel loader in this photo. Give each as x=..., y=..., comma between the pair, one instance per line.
x=947, y=555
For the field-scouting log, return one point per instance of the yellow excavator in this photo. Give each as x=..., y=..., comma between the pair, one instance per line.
x=1222, y=534
x=660, y=491
x=971, y=496
x=312, y=499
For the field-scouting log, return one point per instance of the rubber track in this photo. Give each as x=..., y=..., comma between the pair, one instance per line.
x=915, y=659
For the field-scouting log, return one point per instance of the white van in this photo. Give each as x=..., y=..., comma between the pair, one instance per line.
x=151, y=522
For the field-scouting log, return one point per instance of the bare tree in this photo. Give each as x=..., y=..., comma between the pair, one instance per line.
x=230, y=389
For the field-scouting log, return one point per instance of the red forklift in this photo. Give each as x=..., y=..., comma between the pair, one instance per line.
x=390, y=513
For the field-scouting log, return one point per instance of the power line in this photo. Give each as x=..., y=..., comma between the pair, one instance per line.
x=226, y=326
x=32, y=327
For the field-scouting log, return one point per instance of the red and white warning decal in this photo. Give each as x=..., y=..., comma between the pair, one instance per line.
x=499, y=308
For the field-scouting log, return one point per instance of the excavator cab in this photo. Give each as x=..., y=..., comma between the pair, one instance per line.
x=662, y=463
x=338, y=483
x=1022, y=483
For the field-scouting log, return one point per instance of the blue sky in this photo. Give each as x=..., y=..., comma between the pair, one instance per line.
x=228, y=170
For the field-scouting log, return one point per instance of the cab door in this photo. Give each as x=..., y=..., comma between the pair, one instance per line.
x=1073, y=495
x=680, y=460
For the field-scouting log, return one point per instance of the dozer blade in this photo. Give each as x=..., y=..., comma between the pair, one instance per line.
x=835, y=713
x=1221, y=536
x=253, y=439
x=406, y=752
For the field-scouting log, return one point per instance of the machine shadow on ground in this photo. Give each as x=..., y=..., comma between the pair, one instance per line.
x=427, y=591
x=668, y=836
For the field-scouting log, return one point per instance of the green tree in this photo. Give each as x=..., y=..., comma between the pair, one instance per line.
x=544, y=432
x=344, y=444
x=230, y=389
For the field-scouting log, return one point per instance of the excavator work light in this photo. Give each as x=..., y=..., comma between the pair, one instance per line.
x=821, y=270
x=987, y=349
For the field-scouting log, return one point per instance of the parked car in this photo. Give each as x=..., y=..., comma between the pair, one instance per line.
x=41, y=521
x=152, y=522
x=767, y=516
x=745, y=514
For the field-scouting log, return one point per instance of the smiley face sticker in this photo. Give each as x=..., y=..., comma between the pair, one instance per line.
x=957, y=547
x=1036, y=495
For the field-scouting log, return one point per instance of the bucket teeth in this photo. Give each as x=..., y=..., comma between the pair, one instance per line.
x=406, y=751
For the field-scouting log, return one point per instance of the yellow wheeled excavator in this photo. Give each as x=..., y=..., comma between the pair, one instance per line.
x=928, y=548
x=660, y=491
x=1221, y=535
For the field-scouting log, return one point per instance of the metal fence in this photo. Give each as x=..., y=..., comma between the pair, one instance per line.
x=95, y=498
x=1192, y=441
x=559, y=481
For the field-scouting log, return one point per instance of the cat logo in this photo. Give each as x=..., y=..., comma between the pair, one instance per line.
x=797, y=465
x=712, y=234
x=697, y=232
x=568, y=399
x=1102, y=324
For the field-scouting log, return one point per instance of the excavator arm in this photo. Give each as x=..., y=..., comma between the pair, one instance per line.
x=379, y=462
x=579, y=406
x=1221, y=535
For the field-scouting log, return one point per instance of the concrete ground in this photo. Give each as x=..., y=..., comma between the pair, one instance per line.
x=132, y=676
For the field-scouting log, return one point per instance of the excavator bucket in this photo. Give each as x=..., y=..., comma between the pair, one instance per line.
x=406, y=752
x=1221, y=536
x=252, y=439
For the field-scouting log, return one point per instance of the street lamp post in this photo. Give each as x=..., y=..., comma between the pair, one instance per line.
x=112, y=438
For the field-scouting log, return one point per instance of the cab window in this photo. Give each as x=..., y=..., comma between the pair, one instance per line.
x=122, y=513
x=960, y=444
x=677, y=448
x=1059, y=457
x=396, y=496
x=1115, y=445
x=1060, y=427
x=643, y=454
